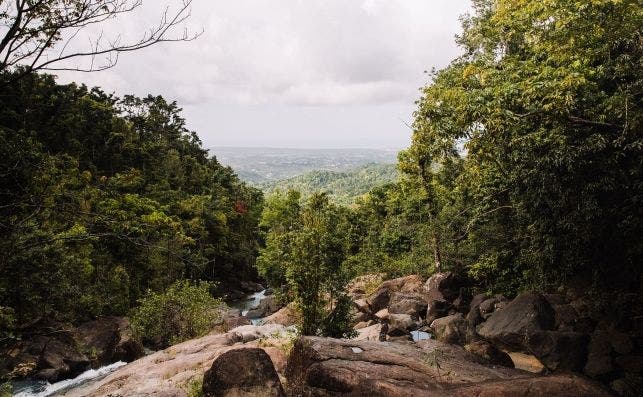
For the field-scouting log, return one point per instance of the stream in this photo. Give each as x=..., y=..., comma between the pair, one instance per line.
x=35, y=388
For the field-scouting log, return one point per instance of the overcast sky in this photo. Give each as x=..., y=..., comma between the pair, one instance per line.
x=293, y=73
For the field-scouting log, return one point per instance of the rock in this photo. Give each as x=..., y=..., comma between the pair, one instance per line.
x=559, y=351
x=286, y=316
x=565, y=316
x=401, y=324
x=599, y=355
x=268, y=292
x=372, y=332
x=168, y=372
x=437, y=309
x=526, y=362
x=474, y=315
x=360, y=316
x=244, y=372
x=332, y=367
x=108, y=339
x=267, y=306
x=488, y=306
x=362, y=306
x=443, y=286
x=630, y=363
x=249, y=333
x=510, y=327
x=454, y=329
x=251, y=286
x=378, y=300
x=234, y=322
x=63, y=359
x=234, y=295
x=490, y=353
x=400, y=338
x=382, y=315
x=545, y=386
x=411, y=303
x=621, y=342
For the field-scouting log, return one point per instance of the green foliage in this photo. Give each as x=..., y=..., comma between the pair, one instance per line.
x=105, y=198
x=342, y=187
x=195, y=387
x=181, y=312
x=305, y=249
x=527, y=149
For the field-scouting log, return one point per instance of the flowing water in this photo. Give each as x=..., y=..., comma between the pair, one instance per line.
x=32, y=388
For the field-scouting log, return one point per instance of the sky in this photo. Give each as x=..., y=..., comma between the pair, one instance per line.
x=291, y=73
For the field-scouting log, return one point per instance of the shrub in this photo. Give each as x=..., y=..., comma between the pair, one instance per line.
x=184, y=311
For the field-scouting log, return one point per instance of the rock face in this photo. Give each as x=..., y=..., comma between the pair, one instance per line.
x=286, y=316
x=244, y=372
x=168, y=372
x=64, y=352
x=331, y=367
x=266, y=307
x=511, y=326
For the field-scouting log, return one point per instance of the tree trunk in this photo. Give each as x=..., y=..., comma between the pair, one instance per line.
x=437, y=257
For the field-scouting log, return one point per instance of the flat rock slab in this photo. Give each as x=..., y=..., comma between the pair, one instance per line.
x=332, y=367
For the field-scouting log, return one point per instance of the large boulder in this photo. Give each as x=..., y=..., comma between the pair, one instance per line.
x=436, y=309
x=511, y=326
x=401, y=324
x=380, y=299
x=108, y=339
x=286, y=316
x=443, y=286
x=332, y=367
x=474, y=315
x=244, y=372
x=411, y=303
x=489, y=352
x=454, y=329
x=61, y=359
x=559, y=351
x=169, y=372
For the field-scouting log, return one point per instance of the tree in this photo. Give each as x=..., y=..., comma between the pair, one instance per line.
x=544, y=110
x=306, y=248
x=43, y=34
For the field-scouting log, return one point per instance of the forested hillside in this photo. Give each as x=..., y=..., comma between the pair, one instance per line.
x=524, y=170
x=342, y=187
x=104, y=198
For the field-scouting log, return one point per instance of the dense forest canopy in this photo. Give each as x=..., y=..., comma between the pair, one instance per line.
x=524, y=172
x=342, y=187
x=104, y=198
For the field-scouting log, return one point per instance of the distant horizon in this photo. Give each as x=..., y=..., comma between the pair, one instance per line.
x=387, y=149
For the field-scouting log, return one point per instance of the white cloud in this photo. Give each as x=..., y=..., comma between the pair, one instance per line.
x=292, y=53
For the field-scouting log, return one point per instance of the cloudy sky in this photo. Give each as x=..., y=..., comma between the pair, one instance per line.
x=292, y=73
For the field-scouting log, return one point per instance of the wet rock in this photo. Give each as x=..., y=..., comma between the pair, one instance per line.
x=251, y=286
x=267, y=306
x=474, y=315
x=244, y=372
x=511, y=326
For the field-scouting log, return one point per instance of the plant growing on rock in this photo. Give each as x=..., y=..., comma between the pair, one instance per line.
x=185, y=310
